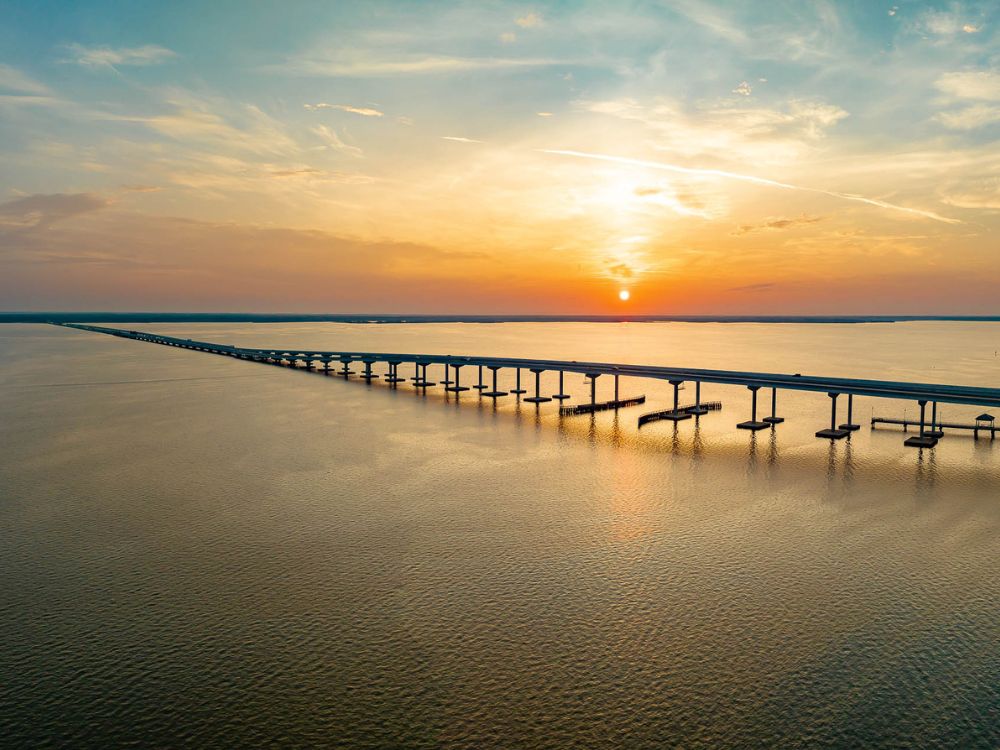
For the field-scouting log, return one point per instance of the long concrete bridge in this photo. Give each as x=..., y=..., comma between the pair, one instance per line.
x=923, y=393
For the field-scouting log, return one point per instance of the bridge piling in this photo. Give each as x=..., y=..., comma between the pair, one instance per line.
x=424, y=382
x=458, y=387
x=921, y=439
x=517, y=384
x=698, y=409
x=495, y=393
x=752, y=424
x=833, y=432
x=676, y=415
x=849, y=424
x=934, y=431
x=393, y=376
x=561, y=396
x=538, y=398
x=774, y=418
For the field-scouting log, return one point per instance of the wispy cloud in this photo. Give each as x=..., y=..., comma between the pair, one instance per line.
x=969, y=118
x=750, y=178
x=321, y=175
x=17, y=88
x=110, y=57
x=333, y=141
x=945, y=23
x=41, y=210
x=777, y=224
x=196, y=121
x=459, y=138
x=344, y=67
x=363, y=111
x=760, y=287
x=13, y=80
x=744, y=89
x=756, y=134
x=983, y=85
x=712, y=19
x=529, y=21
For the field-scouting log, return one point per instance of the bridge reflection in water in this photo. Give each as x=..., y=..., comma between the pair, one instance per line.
x=923, y=393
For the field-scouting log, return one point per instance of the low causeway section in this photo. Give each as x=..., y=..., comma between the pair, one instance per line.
x=922, y=393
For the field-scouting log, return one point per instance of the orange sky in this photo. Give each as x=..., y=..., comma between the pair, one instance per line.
x=503, y=159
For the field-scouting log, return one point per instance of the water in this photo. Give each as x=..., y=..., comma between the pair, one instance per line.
x=203, y=551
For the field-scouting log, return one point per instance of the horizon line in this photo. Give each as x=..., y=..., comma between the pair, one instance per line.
x=44, y=316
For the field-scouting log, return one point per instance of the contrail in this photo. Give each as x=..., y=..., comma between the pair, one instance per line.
x=748, y=178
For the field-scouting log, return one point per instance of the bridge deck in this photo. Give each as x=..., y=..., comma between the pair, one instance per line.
x=953, y=394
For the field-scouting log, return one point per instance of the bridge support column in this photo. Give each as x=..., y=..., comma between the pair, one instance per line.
x=921, y=439
x=849, y=424
x=774, y=418
x=677, y=415
x=424, y=382
x=393, y=377
x=593, y=389
x=934, y=431
x=560, y=396
x=833, y=432
x=517, y=384
x=346, y=371
x=753, y=425
x=369, y=375
x=481, y=386
x=458, y=387
x=538, y=398
x=447, y=376
x=326, y=367
x=616, y=391
x=698, y=408
x=495, y=394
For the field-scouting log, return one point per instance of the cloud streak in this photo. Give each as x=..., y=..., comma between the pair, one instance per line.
x=108, y=57
x=751, y=179
x=42, y=210
x=361, y=68
x=776, y=224
x=363, y=111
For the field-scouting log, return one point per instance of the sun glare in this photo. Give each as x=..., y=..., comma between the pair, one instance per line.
x=623, y=295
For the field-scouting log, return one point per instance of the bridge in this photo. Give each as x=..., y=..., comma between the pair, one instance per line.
x=922, y=393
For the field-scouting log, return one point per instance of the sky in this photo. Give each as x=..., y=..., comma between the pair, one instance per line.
x=788, y=157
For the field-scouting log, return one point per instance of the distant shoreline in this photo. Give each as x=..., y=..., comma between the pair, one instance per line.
x=155, y=317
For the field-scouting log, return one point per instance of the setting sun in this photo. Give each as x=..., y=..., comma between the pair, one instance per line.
x=623, y=295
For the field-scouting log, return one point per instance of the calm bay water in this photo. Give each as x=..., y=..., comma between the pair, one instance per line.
x=202, y=551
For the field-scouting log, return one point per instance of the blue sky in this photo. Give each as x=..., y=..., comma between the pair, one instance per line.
x=709, y=156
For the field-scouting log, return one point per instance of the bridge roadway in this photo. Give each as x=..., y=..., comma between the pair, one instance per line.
x=922, y=393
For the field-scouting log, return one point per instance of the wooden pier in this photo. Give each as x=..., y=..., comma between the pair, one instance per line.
x=601, y=406
x=671, y=414
x=939, y=426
